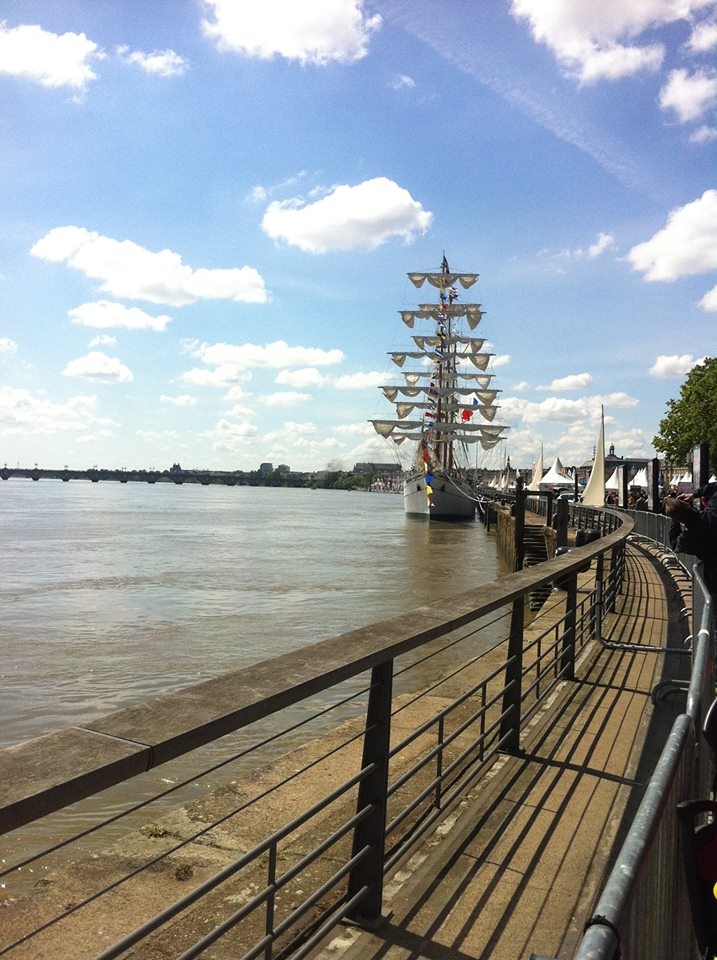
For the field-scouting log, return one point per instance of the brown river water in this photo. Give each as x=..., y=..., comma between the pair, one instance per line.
x=116, y=593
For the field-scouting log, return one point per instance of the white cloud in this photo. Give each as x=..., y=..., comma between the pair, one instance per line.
x=183, y=400
x=403, y=82
x=277, y=354
x=674, y=366
x=499, y=360
x=161, y=63
x=603, y=243
x=358, y=381
x=595, y=40
x=228, y=437
x=107, y=313
x=157, y=436
x=704, y=134
x=99, y=368
x=223, y=375
x=348, y=218
x=307, y=429
x=689, y=95
x=286, y=399
x=236, y=392
x=709, y=301
x=22, y=413
x=103, y=340
x=703, y=37
x=302, y=378
x=7, y=345
x=561, y=409
x=134, y=273
x=47, y=58
x=576, y=381
x=313, y=33
x=686, y=246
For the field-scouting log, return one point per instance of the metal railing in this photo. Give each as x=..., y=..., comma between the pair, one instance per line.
x=643, y=909
x=403, y=719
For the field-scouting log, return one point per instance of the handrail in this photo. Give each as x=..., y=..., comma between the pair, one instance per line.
x=681, y=771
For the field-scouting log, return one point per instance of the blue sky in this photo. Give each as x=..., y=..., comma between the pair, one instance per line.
x=209, y=209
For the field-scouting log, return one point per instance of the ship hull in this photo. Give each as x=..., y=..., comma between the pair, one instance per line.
x=451, y=498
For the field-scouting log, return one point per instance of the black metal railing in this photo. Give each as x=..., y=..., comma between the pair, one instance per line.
x=643, y=909
x=402, y=719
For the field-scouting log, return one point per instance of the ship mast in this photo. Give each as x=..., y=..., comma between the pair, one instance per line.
x=447, y=366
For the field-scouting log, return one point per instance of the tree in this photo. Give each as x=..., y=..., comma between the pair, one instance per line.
x=693, y=418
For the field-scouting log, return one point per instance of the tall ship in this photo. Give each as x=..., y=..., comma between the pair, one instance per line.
x=446, y=402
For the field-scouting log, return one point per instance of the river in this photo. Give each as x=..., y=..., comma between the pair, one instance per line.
x=116, y=593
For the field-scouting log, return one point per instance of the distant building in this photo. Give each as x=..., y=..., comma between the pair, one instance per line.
x=612, y=461
x=283, y=468
x=387, y=469
x=265, y=468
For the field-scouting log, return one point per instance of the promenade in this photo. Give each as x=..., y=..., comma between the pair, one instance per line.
x=516, y=871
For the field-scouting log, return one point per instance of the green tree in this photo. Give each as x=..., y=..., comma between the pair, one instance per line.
x=693, y=418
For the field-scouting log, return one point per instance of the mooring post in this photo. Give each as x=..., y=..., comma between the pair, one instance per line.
x=370, y=833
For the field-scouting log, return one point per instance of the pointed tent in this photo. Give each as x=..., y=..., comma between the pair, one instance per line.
x=554, y=477
x=640, y=479
x=613, y=481
x=594, y=492
x=537, y=473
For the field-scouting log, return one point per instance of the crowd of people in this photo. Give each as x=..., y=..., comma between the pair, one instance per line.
x=694, y=522
x=694, y=527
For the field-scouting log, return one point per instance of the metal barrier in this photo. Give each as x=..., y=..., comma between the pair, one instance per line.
x=328, y=828
x=643, y=910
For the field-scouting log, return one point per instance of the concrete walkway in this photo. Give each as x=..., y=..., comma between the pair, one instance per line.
x=517, y=869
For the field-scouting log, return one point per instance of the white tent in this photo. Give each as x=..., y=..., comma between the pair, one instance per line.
x=613, y=481
x=640, y=479
x=594, y=492
x=554, y=477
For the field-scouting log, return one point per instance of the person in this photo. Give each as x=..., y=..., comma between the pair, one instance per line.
x=695, y=531
x=641, y=502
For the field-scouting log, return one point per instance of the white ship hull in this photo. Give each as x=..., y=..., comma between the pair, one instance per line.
x=451, y=498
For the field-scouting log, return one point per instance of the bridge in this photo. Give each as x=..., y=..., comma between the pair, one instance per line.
x=95, y=475
x=460, y=782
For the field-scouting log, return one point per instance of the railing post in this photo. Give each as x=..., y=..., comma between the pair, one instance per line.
x=521, y=496
x=617, y=574
x=513, y=689
x=371, y=831
x=567, y=655
x=596, y=617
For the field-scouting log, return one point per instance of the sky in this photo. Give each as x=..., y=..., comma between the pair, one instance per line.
x=209, y=209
